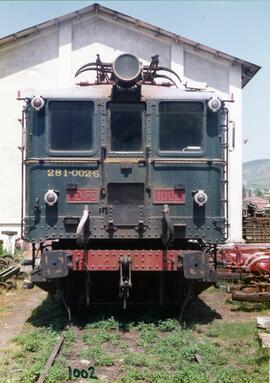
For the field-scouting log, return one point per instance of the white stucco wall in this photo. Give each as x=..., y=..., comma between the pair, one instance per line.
x=235, y=156
x=201, y=67
x=23, y=64
x=50, y=58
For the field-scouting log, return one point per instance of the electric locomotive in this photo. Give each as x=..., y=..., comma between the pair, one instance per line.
x=125, y=185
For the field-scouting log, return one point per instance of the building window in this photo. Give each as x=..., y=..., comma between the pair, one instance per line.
x=71, y=125
x=180, y=126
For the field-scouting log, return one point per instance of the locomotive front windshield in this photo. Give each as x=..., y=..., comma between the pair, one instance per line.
x=71, y=126
x=126, y=127
x=180, y=126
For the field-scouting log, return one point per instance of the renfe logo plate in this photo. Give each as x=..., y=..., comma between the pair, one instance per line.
x=169, y=196
x=83, y=196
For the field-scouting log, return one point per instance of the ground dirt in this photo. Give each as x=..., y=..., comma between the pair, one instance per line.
x=216, y=304
x=16, y=306
x=212, y=307
x=121, y=354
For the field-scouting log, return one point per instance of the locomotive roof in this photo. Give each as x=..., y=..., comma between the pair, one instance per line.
x=248, y=69
x=154, y=92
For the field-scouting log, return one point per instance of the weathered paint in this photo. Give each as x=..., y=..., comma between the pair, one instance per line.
x=197, y=171
x=141, y=260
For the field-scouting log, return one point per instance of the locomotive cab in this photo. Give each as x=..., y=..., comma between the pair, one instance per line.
x=125, y=186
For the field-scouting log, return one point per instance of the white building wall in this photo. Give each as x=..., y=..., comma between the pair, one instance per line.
x=177, y=58
x=50, y=58
x=235, y=156
x=202, y=67
x=65, y=78
x=23, y=64
x=94, y=35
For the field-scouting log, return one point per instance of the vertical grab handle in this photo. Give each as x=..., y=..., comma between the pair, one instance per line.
x=147, y=160
x=232, y=136
x=103, y=156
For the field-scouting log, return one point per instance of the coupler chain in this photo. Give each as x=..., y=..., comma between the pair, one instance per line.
x=125, y=279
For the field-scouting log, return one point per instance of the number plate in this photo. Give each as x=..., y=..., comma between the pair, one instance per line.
x=83, y=196
x=173, y=196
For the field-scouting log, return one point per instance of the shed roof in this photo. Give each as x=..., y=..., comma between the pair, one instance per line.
x=248, y=69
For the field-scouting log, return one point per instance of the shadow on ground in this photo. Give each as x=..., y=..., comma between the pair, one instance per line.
x=53, y=315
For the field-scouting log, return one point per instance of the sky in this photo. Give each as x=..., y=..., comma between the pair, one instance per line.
x=239, y=28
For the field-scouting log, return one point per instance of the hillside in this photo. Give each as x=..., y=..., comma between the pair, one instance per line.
x=256, y=174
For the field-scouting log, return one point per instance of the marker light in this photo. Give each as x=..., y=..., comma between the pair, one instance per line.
x=214, y=104
x=50, y=198
x=200, y=197
x=37, y=102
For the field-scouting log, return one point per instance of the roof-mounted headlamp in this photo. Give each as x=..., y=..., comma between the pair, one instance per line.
x=127, y=70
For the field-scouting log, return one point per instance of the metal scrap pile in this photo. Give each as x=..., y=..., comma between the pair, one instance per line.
x=250, y=265
x=9, y=270
x=256, y=220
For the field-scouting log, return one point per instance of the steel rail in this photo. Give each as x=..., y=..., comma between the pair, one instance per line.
x=51, y=359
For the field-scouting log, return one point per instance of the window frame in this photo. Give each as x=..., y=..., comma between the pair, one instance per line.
x=113, y=153
x=70, y=153
x=180, y=153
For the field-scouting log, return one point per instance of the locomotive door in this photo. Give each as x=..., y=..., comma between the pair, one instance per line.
x=124, y=165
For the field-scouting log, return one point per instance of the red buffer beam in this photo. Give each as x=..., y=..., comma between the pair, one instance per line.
x=141, y=260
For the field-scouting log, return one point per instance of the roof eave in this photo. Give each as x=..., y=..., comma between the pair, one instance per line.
x=248, y=69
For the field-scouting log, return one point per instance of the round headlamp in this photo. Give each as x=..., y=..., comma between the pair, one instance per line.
x=200, y=197
x=127, y=69
x=37, y=102
x=214, y=104
x=50, y=198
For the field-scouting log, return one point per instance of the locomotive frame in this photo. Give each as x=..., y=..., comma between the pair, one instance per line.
x=142, y=223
